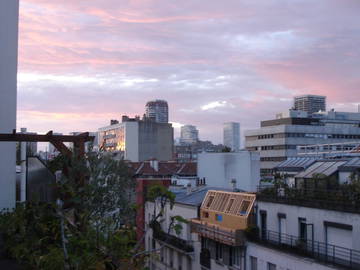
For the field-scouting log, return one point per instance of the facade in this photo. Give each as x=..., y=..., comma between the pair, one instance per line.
x=231, y=134
x=189, y=134
x=9, y=14
x=221, y=169
x=138, y=140
x=310, y=103
x=256, y=231
x=305, y=233
x=278, y=139
x=157, y=110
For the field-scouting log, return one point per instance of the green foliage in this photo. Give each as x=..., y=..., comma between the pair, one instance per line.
x=226, y=149
x=92, y=226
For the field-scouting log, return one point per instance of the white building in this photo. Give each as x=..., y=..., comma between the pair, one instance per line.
x=278, y=139
x=9, y=14
x=189, y=134
x=177, y=251
x=138, y=140
x=219, y=169
x=305, y=234
x=232, y=135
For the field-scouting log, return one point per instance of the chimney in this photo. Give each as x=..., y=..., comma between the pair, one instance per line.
x=233, y=184
x=114, y=122
x=188, y=188
x=154, y=164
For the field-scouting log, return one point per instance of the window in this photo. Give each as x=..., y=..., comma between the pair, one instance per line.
x=244, y=207
x=271, y=266
x=180, y=259
x=219, y=251
x=235, y=256
x=218, y=217
x=209, y=202
x=205, y=214
x=253, y=263
x=171, y=257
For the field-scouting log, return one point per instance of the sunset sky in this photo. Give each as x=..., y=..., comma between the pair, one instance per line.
x=84, y=62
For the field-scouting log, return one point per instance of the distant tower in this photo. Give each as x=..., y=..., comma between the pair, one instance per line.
x=310, y=103
x=232, y=135
x=189, y=134
x=158, y=110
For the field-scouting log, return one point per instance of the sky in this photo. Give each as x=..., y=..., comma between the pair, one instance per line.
x=84, y=62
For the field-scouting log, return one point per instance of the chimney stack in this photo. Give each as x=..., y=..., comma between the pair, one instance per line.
x=188, y=188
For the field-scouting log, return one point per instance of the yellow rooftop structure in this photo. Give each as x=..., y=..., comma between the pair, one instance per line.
x=224, y=216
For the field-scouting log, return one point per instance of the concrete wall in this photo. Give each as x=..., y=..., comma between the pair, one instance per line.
x=156, y=140
x=9, y=14
x=131, y=141
x=219, y=168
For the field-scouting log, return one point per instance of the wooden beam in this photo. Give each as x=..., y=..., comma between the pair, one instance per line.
x=23, y=137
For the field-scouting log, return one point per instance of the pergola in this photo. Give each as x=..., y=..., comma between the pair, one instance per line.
x=57, y=140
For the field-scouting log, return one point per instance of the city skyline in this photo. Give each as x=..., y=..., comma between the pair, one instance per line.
x=81, y=63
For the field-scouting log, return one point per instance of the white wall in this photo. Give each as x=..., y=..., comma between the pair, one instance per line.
x=189, y=261
x=219, y=168
x=9, y=13
x=282, y=260
x=313, y=216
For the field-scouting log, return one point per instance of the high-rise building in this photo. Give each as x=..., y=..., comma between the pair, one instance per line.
x=138, y=140
x=232, y=135
x=278, y=139
x=9, y=14
x=189, y=134
x=157, y=110
x=310, y=103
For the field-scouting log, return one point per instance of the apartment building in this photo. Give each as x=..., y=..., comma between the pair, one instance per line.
x=138, y=139
x=303, y=231
x=167, y=249
x=310, y=103
x=278, y=139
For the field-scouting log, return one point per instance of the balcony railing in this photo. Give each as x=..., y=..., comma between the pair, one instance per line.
x=222, y=235
x=174, y=241
x=338, y=200
x=323, y=252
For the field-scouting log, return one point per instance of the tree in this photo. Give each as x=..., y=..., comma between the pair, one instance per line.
x=90, y=227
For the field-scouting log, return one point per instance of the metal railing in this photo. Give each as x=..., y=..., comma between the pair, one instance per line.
x=338, y=200
x=320, y=251
x=174, y=241
x=226, y=236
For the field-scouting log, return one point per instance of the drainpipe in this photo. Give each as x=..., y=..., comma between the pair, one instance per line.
x=23, y=171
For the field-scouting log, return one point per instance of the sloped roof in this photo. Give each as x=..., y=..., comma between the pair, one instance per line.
x=295, y=164
x=165, y=168
x=233, y=203
x=325, y=167
x=351, y=165
x=195, y=198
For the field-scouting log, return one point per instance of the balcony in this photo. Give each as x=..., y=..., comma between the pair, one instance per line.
x=231, y=237
x=338, y=200
x=174, y=241
x=323, y=252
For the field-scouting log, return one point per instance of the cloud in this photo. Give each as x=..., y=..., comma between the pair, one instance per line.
x=84, y=62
